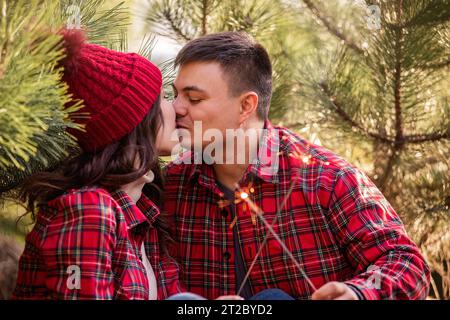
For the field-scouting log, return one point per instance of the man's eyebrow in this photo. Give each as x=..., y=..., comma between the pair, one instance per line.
x=189, y=88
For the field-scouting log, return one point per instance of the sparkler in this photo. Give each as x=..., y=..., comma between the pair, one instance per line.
x=258, y=212
x=243, y=195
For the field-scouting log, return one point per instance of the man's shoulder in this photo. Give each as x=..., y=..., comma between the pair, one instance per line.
x=319, y=168
x=302, y=152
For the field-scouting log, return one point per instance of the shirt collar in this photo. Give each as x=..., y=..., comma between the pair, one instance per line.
x=265, y=166
x=145, y=211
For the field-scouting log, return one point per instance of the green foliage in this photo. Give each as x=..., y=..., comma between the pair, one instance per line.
x=377, y=96
x=105, y=27
x=383, y=93
x=33, y=118
x=375, y=92
x=31, y=95
x=184, y=20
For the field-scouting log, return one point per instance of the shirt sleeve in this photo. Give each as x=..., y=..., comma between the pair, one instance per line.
x=386, y=263
x=78, y=246
x=170, y=283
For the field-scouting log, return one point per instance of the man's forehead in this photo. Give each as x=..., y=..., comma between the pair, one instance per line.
x=198, y=76
x=201, y=65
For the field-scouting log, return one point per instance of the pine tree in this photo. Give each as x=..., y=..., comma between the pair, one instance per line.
x=379, y=94
x=367, y=80
x=31, y=96
x=184, y=20
x=33, y=118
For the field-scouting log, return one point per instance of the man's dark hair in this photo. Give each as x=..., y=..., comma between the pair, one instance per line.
x=244, y=61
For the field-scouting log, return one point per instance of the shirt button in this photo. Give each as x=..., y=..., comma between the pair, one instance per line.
x=226, y=255
x=224, y=213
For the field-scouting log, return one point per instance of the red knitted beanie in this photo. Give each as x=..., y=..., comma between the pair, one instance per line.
x=118, y=89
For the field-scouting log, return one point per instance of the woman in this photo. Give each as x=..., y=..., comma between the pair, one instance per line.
x=91, y=217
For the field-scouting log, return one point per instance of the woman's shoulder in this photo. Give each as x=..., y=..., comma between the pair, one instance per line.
x=89, y=192
x=86, y=199
x=87, y=209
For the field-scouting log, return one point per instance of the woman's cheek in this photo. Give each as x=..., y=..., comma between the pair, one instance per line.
x=165, y=143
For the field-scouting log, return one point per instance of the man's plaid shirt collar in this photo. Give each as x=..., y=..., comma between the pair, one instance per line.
x=264, y=167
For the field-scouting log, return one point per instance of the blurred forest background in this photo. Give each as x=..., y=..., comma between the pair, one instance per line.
x=366, y=79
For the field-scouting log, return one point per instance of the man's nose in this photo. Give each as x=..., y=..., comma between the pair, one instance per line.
x=179, y=107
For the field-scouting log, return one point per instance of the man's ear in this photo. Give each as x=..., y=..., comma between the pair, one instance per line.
x=249, y=105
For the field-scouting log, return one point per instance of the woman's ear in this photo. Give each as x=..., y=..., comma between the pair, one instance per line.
x=249, y=105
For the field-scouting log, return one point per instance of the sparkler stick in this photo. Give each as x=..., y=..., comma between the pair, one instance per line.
x=281, y=205
x=259, y=213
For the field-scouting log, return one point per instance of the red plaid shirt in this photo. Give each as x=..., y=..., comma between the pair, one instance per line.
x=336, y=223
x=100, y=235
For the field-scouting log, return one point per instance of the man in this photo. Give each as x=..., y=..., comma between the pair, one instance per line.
x=343, y=239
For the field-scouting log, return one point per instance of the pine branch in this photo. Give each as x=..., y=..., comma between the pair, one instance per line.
x=420, y=138
x=104, y=27
x=175, y=27
x=346, y=117
x=388, y=168
x=146, y=47
x=331, y=27
x=399, y=139
x=33, y=125
x=168, y=18
x=429, y=13
x=295, y=125
x=398, y=83
x=439, y=65
x=204, y=16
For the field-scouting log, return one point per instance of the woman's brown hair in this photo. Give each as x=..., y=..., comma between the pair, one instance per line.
x=109, y=168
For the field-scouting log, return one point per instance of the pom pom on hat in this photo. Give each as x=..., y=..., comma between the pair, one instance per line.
x=73, y=41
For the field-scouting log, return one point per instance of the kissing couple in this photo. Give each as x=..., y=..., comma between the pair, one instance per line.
x=112, y=222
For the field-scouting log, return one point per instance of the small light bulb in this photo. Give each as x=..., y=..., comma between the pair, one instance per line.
x=244, y=195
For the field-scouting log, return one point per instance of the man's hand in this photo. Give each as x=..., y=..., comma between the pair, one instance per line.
x=334, y=291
